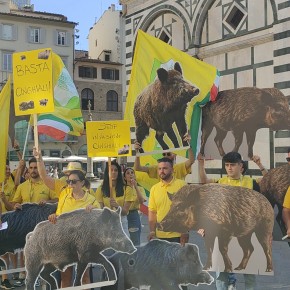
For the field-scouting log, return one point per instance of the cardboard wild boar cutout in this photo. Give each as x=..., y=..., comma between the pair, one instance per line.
x=245, y=110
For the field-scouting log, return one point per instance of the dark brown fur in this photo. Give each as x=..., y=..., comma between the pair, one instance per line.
x=162, y=104
x=223, y=211
x=275, y=183
x=244, y=110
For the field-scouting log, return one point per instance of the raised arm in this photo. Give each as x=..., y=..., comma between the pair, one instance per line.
x=201, y=170
x=257, y=160
x=48, y=181
x=137, y=163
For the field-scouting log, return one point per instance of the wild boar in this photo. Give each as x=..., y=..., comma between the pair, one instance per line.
x=244, y=110
x=20, y=223
x=275, y=183
x=78, y=237
x=223, y=211
x=160, y=265
x=163, y=103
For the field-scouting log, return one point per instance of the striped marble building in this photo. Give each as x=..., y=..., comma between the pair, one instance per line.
x=247, y=40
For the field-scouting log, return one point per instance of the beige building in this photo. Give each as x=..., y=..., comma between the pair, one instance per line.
x=248, y=41
x=23, y=29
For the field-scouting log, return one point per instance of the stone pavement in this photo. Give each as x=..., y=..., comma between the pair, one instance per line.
x=281, y=263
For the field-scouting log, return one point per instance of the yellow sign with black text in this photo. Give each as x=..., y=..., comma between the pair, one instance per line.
x=108, y=138
x=32, y=77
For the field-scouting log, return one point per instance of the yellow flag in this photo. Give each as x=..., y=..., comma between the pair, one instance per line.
x=4, y=113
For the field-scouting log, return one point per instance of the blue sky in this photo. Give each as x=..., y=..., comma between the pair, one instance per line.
x=87, y=12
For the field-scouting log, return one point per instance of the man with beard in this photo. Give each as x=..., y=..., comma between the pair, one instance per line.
x=159, y=202
x=32, y=190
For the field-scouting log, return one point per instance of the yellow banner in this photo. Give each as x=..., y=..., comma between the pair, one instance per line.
x=108, y=138
x=32, y=75
x=5, y=96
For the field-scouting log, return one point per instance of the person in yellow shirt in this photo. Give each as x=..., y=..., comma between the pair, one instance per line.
x=71, y=198
x=233, y=165
x=133, y=217
x=159, y=202
x=121, y=195
x=11, y=182
x=32, y=190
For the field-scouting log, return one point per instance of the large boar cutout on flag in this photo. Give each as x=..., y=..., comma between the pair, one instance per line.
x=167, y=90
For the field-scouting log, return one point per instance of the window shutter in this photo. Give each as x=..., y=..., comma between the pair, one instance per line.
x=14, y=32
x=94, y=72
x=117, y=75
x=1, y=29
x=81, y=71
x=29, y=35
x=67, y=39
x=42, y=36
x=55, y=34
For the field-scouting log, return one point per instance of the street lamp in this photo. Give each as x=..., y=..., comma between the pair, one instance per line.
x=90, y=170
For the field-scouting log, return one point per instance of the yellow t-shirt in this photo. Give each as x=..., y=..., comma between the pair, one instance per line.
x=179, y=171
x=286, y=202
x=33, y=192
x=244, y=181
x=160, y=203
x=68, y=203
x=9, y=190
x=128, y=196
x=136, y=205
x=60, y=185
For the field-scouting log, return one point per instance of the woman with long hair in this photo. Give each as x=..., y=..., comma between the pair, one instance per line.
x=122, y=196
x=133, y=217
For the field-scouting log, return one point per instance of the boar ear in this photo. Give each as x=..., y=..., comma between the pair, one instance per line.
x=106, y=214
x=162, y=74
x=178, y=67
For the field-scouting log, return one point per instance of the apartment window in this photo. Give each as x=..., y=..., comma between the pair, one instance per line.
x=112, y=101
x=110, y=74
x=107, y=57
x=87, y=72
x=36, y=35
x=7, y=61
x=7, y=31
x=62, y=38
x=87, y=95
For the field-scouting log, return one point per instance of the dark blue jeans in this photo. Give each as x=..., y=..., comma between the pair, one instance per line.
x=134, y=226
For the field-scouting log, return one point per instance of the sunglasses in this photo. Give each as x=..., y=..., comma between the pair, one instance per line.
x=166, y=154
x=72, y=181
x=288, y=159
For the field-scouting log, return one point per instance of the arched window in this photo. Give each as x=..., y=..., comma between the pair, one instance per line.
x=87, y=95
x=112, y=101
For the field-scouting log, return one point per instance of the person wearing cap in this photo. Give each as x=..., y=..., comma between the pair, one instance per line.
x=180, y=170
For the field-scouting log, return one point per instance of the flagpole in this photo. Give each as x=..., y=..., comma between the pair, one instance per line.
x=110, y=177
x=35, y=131
x=26, y=139
x=90, y=169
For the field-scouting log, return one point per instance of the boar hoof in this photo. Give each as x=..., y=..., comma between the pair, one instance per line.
x=239, y=268
x=228, y=269
x=269, y=269
x=141, y=150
